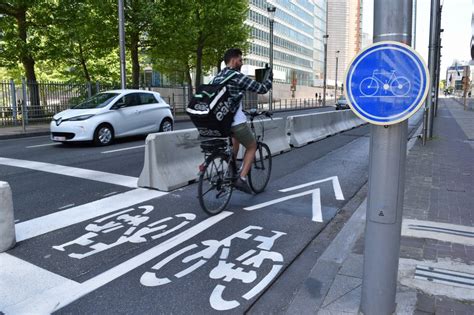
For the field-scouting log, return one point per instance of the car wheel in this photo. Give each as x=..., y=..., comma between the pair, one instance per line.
x=103, y=135
x=166, y=125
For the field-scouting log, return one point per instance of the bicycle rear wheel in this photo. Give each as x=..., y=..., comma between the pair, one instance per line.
x=215, y=187
x=261, y=168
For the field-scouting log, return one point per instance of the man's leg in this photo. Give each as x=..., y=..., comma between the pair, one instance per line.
x=248, y=158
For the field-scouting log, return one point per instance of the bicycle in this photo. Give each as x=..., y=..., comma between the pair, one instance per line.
x=398, y=86
x=219, y=171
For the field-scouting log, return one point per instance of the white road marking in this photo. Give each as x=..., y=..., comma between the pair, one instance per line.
x=316, y=203
x=42, y=145
x=124, y=149
x=21, y=280
x=51, y=300
x=58, y=220
x=335, y=184
x=445, y=232
x=66, y=206
x=121, y=180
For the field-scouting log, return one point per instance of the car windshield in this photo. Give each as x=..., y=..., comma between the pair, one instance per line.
x=97, y=101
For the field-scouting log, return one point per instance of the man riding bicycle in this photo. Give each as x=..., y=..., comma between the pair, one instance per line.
x=240, y=131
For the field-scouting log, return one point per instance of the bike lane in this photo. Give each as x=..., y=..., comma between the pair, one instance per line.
x=166, y=255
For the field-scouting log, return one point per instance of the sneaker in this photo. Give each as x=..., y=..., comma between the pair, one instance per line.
x=243, y=186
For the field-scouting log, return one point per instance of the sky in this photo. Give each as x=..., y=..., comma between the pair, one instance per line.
x=455, y=20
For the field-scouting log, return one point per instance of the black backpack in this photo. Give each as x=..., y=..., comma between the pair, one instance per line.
x=211, y=109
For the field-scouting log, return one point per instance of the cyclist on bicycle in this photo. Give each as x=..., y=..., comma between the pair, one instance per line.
x=241, y=133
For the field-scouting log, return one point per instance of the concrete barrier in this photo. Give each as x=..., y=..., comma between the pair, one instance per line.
x=303, y=129
x=7, y=221
x=275, y=134
x=171, y=159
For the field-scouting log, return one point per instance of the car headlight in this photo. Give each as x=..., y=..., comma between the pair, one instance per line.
x=82, y=117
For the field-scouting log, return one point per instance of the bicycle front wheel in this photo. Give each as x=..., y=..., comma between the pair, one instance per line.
x=214, y=187
x=261, y=168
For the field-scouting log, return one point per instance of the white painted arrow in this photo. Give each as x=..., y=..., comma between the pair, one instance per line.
x=335, y=184
x=316, y=197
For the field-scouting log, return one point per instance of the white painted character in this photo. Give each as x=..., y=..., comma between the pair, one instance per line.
x=134, y=233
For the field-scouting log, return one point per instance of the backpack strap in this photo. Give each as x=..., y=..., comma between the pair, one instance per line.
x=227, y=78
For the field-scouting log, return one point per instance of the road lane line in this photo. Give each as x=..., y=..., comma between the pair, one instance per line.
x=61, y=219
x=21, y=280
x=60, y=296
x=121, y=180
x=66, y=206
x=124, y=149
x=41, y=145
x=335, y=184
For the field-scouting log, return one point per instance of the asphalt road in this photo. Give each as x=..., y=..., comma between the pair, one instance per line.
x=135, y=250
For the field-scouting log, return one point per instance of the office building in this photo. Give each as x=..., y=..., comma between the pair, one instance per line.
x=345, y=35
x=298, y=56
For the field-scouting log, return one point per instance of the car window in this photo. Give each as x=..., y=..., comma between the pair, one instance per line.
x=97, y=101
x=132, y=99
x=147, y=98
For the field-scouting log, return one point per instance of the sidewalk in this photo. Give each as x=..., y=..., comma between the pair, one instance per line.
x=436, y=267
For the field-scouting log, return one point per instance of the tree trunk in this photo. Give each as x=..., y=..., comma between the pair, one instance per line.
x=189, y=80
x=199, y=65
x=83, y=64
x=28, y=64
x=135, y=38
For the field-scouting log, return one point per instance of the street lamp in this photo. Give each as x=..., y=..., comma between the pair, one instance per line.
x=271, y=17
x=121, y=15
x=325, y=41
x=335, y=90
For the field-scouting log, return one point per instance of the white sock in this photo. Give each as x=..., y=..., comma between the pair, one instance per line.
x=243, y=178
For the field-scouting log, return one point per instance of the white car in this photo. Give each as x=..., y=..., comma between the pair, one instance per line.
x=112, y=114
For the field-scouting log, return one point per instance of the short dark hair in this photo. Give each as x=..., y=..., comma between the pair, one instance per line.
x=232, y=53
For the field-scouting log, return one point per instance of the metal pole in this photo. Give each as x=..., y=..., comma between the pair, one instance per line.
x=388, y=144
x=122, y=44
x=325, y=67
x=13, y=100
x=24, y=113
x=428, y=119
x=270, y=96
x=414, y=22
x=438, y=61
x=335, y=86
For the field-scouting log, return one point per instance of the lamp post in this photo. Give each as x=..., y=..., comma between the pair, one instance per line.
x=122, y=44
x=325, y=41
x=335, y=87
x=271, y=17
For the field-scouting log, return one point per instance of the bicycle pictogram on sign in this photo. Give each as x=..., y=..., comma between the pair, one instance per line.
x=384, y=83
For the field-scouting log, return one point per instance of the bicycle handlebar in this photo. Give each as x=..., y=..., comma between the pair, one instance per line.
x=254, y=113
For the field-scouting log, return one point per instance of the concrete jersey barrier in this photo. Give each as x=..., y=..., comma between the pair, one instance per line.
x=303, y=129
x=171, y=159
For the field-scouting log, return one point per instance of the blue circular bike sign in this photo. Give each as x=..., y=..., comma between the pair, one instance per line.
x=386, y=83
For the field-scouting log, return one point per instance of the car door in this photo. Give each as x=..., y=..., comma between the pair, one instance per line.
x=149, y=112
x=127, y=116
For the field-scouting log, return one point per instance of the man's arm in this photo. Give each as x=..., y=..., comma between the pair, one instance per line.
x=248, y=84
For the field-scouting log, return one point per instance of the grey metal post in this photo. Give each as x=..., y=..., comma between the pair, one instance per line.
x=335, y=85
x=89, y=89
x=271, y=10
x=325, y=39
x=122, y=44
x=13, y=100
x=7, y=222
x=428, y=119
x=24, y=112
x=438, y=61
x=388, y=144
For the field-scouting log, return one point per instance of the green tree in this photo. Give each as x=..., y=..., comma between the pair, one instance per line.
x=21, y=38
x=192, y=35
x=81, y=40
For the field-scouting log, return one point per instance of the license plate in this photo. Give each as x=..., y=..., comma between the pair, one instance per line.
x=59, y=138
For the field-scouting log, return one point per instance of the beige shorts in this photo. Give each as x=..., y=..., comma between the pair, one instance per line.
x=243, y=134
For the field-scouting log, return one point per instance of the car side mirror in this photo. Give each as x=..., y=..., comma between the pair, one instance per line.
x=118, y=105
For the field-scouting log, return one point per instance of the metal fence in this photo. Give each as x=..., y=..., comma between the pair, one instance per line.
x=26, y=103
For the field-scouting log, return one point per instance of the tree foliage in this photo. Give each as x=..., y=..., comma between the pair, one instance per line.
x=192, y=35
x=78, y=39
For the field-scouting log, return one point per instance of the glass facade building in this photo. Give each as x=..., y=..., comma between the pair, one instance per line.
x=298, y=51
